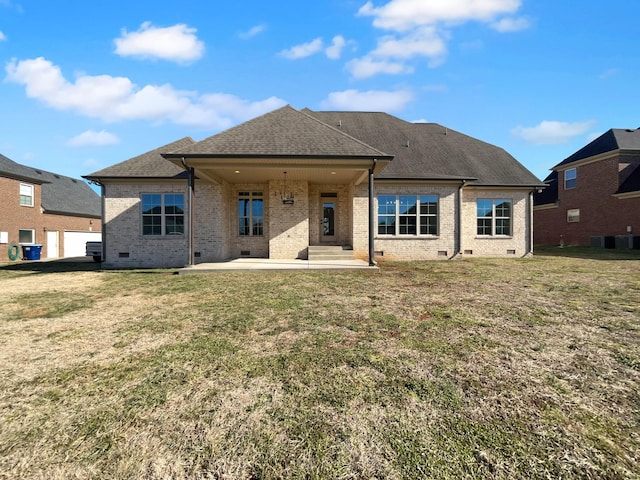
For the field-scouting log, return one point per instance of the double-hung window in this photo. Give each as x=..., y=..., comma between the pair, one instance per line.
x=570, y=178
x=250, y=214
x=26, y=195
x=407, y=215
x=162, y=214
x=494, y=217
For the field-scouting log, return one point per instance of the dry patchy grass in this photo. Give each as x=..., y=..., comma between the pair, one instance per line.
x=467, y=369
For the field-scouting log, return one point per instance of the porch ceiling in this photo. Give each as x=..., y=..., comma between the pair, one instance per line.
x=313, y=171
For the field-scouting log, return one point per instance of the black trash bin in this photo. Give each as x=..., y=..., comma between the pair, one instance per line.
x=31, y=251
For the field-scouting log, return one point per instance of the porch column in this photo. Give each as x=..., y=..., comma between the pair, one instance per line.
x=372, y=226
x=191, y=186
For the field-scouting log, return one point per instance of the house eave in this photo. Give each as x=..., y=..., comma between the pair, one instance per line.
x=627, y=195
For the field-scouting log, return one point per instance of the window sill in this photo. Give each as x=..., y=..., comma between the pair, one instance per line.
x=494, y=237
x=407, y=237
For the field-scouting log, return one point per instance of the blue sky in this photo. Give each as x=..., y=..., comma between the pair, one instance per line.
x=88, y=84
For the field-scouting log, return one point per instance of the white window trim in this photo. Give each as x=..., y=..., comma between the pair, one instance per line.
x=573, y=215
x=418, y=214
x=494, y=217
x=574, y=178
x=163, y=216
x=33, y=235
x=23, y=188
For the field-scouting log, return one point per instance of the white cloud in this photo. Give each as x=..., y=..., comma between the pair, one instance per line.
x=422, y=27
x=92, y=138
x=177, y=43
x=612, y=72
x=425, y=41
x=303, y=50
x=550, y=132
x=2, y=36
x=368, y=67
x=403, y=15
x=335, y=50
x=508, y=24
x=252, y=32
x=372, y=100
x=114, y=99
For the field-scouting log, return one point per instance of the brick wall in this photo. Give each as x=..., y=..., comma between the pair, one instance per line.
x=288, y=224
x=125, y=246
x=15, y=217
x=518, y=244
x=601, y=214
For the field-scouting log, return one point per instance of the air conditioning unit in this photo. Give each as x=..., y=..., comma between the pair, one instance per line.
x=597, y=242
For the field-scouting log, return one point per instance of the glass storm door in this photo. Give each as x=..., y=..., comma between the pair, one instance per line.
x=328, y=226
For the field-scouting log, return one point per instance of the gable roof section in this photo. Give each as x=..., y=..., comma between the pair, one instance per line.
x=430, y=151
x=613, y=139
x=285, y=132
x=548, y=195
x=632, y=183
x=60, y=194
x=148, y=165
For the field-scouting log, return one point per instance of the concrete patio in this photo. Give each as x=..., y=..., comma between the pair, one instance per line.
x=247, y=264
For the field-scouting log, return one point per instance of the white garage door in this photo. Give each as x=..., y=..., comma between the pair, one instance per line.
x=75, y=242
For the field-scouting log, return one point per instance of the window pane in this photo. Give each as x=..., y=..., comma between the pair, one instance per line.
x=174, y=204
x=408, y=204
x=243, y=207
x=503, y=209
x=386, y=225
x=243, y=226
x=408, y=225
x=256, y=207
x=428, y=225
x=484, y=226
x=151, y=204
x=503, y=226
x=386, y=205
x=257, y=226
x=25, y=236
x=174, y=225
x=485, y=208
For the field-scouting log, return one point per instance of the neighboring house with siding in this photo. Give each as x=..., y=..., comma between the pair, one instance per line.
x=291, y=180
x=58, y=212
x=593, y=195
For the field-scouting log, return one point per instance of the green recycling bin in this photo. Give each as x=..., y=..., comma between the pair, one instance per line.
x=31, y=251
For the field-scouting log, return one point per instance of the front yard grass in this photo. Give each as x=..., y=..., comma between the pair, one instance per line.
x=483, y=368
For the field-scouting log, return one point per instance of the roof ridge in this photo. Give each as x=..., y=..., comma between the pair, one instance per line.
x=342, y=132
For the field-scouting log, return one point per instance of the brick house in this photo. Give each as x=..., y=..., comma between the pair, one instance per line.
x=36, y=206
x=593, y=195
x=288, y=181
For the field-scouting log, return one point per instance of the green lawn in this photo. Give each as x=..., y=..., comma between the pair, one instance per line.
x=484, y=368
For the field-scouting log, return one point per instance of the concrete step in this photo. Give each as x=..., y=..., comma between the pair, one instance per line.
x=329, y=252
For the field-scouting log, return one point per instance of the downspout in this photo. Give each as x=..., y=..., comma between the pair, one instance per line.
x=190, y=204
x=530, y=249
x=103, y=223
x=372, y=261
x=459, y=220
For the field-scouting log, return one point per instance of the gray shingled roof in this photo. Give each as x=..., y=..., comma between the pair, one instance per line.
x=148, y=165
x=60, y=194
x=11, y=169
x=283, y=132
x=613, y=139
x=430, y=151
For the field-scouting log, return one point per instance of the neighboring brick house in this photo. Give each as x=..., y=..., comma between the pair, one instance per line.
x=593, y=195
x=40, y=207
x=290, y=180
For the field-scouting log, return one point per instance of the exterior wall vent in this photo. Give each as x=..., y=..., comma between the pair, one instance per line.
x=442, y=253
x=245, y=253
x=196, y=254
x=379, y=253
x=123, y=254
x=511, y=252
x=468, y=252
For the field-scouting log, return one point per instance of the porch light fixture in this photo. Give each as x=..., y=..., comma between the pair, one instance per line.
x=287, y=198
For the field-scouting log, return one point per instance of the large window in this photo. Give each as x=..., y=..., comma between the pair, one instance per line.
x=26, y=195
x=570, y=178
x=494, y=217
x=573, y=215
x=162, y=214
x=407, y=215
x=250, y=214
